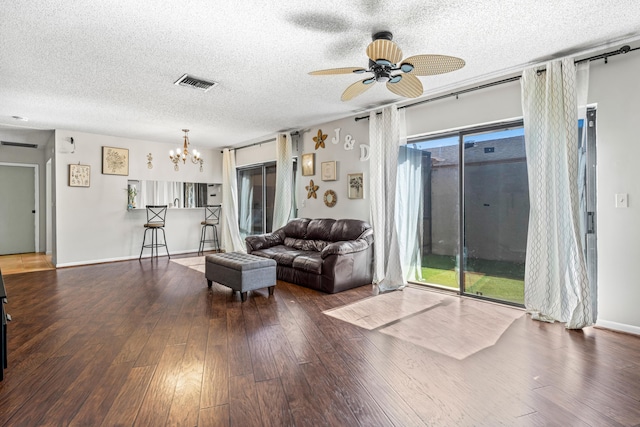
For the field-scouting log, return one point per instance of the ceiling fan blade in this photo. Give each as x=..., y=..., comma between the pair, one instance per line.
x=358, y=88
x=384, y=49
x=344, y=70
x=409, y=86
x=429, y=65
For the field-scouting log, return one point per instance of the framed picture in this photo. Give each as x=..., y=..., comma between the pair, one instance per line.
x=330, y=198
x=328, y=170
x=308, y=164
x=79, y=175
x=355, y=181
x=115, y=161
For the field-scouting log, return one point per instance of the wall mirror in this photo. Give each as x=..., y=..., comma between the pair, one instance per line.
x=173, y=194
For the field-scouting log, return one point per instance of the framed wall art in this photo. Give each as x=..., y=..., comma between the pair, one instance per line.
x=330, y=198
x=355, y=182
x=115, y=161
x=308, y=164
x=79, y=175
x=328, y=171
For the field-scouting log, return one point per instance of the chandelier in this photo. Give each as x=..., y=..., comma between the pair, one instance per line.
x=194, y=157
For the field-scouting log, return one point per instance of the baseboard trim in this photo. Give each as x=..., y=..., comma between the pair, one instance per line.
x=618, y=327
x=117, y=259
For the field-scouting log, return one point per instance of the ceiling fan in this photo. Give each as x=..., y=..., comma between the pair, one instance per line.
x=386, y=64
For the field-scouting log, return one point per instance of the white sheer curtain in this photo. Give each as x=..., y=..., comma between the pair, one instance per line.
x=409, y=211
x=556, y=284
x=283, y=203
x=384, y=140
x=245, y=211
x=231, y=241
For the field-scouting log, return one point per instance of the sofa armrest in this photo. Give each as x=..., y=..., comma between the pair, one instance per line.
x=344, y=247
x=263, y=241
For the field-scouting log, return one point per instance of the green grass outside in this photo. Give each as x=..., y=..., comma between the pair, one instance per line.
x=495, y=279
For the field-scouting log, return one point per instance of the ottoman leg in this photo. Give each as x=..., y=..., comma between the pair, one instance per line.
x=271, y=289
x=209, y=283
x=244, y=296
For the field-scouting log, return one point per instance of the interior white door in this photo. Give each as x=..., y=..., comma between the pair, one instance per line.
x=17, y=209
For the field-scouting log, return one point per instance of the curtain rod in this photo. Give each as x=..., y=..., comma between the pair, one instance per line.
x=605, y=56
x=259, y=142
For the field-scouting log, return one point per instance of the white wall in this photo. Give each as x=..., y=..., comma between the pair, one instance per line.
x=93, y=224
x=347, y=161
x=616, y=89
x=261, y=153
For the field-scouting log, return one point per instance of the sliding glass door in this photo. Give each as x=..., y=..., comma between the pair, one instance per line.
x=496, y=213
x=476, y=211
x=256, y=195
x=441, y=210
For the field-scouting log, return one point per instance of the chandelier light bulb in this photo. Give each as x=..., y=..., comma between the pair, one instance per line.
x=182, y=154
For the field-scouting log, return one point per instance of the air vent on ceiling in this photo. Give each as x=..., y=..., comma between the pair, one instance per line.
x=195, y=83
x=19, y=144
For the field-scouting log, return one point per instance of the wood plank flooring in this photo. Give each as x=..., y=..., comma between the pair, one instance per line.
x=22, y=263
x=148, y=344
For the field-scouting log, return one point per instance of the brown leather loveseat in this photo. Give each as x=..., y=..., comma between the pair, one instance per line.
x=328, y=255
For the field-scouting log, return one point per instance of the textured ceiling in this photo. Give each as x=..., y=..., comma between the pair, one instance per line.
x=108, y=67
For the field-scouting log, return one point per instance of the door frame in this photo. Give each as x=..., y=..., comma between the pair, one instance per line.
x=36, y=187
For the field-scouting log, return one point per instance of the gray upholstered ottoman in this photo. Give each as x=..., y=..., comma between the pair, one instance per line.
x=241, y=272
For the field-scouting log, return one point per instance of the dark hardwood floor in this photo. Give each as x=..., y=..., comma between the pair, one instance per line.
x=147, y=343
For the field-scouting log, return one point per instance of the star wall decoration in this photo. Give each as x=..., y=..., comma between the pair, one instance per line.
x=311, y=190
x=319, y=140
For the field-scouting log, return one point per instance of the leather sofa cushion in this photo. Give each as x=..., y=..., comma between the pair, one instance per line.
x=296, y=228
x=305, y=245
x=283, y=255
x=320, y=229
x=347, y=229
x=309, y=262
x=272, y=252
x=342, y=248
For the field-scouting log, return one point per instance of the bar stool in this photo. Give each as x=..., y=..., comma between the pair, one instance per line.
x=155, y=222
x=211, y=219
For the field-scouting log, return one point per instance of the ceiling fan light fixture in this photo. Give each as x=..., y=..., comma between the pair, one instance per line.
x=406, y=67
x=383, y=76
x=383, y=56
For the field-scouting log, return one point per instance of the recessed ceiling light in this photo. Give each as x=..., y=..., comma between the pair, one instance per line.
x=20, y=118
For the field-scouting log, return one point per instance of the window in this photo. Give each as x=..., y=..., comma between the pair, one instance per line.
x=256, y=197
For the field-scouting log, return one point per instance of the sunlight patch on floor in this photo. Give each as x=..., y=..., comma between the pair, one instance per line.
x=381, y=310
x=453, y=326
x=195, y=263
